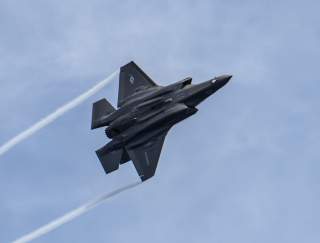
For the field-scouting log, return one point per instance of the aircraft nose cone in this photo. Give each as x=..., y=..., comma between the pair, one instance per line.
x=223, y=79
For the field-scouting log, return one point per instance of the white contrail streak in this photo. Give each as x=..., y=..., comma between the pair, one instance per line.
x=56, y=114
x=72, y=215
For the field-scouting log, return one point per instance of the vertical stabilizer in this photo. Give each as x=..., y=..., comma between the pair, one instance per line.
x=100, y=110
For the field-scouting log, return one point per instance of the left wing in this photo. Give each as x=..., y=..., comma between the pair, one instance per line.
x=146, y=156
x=131, y=80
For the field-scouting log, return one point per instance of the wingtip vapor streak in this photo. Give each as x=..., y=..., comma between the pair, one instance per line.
x=146, y=112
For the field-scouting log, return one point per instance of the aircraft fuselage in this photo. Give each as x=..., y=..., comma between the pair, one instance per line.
x=146, y=112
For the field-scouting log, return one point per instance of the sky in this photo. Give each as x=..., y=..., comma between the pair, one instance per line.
x=245, y=168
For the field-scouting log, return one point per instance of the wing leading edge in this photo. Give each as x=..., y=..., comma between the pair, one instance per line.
x=145, y=157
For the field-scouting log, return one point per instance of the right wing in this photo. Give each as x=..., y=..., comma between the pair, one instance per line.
x=132, y=79
x=146, y=156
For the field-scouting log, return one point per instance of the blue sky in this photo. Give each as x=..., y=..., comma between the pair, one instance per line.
x=244, y=169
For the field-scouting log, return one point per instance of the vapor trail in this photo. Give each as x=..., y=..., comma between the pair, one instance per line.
x=56, y=114
x=72, y=215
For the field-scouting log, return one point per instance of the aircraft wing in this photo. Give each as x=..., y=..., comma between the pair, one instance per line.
x=132, y=79
x=145, y=157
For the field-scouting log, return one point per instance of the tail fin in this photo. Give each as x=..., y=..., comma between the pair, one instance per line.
x=111, y=160
x=100, y=109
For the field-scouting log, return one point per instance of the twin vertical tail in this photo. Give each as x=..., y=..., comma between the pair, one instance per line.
x=109, y=160
x=100, y=110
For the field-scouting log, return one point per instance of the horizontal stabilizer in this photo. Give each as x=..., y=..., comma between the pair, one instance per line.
x=100, y=110
x=110, y=160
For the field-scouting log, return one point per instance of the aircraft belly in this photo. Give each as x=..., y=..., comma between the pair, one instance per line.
x=168, y=117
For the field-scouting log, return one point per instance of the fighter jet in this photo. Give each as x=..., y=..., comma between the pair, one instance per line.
x=146, y=112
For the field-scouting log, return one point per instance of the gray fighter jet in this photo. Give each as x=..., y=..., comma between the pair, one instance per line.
x=146, y=112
